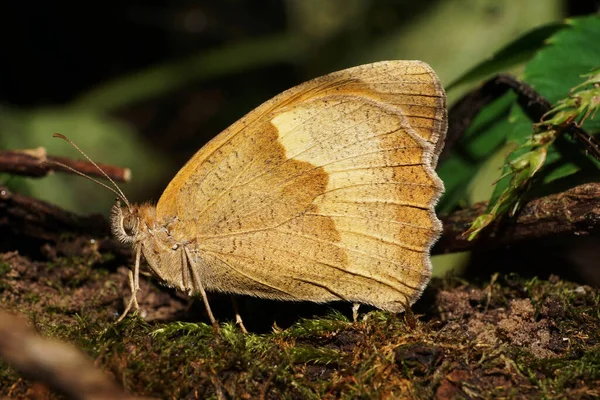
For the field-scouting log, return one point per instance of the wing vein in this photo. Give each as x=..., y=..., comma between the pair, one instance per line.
x=382, y=201
x=296, y=255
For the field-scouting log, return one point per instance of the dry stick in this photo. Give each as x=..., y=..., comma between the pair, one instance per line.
x=28, y=218
x=36, y=163
x=573, y=212
x=59, y=365
x=37, y=219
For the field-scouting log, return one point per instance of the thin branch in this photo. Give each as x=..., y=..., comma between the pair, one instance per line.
x=573, y=212
x=26, y=216
x=59, y=365
x=36, y=163
x=23, y=219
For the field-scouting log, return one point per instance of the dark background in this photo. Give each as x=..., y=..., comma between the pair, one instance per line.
x=53, y=51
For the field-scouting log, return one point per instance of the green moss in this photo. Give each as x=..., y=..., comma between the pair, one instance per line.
x=182, y=328
x=305, y=354
x=310, y=327
x=564, y=375
x=9, y=379
x=4, y=268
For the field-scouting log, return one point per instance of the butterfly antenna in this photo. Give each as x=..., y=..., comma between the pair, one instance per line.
x=85, y=176
x=118, y=190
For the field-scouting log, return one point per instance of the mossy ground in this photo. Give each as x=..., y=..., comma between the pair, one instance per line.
x=507, y=337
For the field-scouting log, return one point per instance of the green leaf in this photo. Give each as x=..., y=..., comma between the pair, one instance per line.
x=554, y=71
x=570, y=54
x=516, y=52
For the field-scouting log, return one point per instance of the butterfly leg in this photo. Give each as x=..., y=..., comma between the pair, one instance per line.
x=134, y=284
x=355, y=307
x=238, y=318
x=198, y=284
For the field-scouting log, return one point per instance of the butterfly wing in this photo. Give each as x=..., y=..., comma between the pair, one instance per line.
x=325, y=192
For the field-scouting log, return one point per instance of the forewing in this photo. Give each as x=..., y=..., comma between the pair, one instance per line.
x=325, y=192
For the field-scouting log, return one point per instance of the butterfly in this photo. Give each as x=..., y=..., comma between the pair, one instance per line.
x=326, y=192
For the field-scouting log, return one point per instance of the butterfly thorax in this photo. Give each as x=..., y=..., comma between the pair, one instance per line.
x=158, y=239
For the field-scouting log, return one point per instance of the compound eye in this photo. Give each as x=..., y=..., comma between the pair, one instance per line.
x=129, y=227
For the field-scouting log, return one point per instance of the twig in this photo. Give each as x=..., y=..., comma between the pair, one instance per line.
x=573, y=212
x=59, y=365
x=36, y=163
x=24, y=218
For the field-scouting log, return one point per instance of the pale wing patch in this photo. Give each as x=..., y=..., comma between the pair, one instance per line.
x=396, y=170
x=350, y=127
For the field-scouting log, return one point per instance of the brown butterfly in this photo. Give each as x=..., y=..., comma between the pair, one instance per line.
x=325, y=192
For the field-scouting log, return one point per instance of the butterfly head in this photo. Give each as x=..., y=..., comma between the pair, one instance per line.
x=137, y=226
